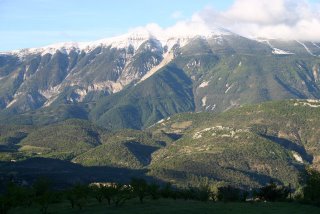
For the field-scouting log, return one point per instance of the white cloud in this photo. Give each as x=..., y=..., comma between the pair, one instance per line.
x=262, y=12
x=284, y=19
x=188, y=28
x=280, y=19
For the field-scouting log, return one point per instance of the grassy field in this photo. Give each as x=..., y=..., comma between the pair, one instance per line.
x=177, y=207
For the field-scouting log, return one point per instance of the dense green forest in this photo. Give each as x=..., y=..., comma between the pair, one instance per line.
x=244, y=147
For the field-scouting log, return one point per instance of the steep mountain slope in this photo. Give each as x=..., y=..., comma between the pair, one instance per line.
x=134, y=80
x=167, y=92
x=38, y=80
x=231, y=71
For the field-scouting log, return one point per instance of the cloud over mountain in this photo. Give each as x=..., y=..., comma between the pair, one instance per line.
x=285, y=19
x=279, y=19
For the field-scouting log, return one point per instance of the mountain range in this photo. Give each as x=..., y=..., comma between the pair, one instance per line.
x=181, y=108
x=134, y=80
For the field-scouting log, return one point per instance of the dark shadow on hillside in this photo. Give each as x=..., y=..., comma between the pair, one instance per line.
x=194, y=178
x=8, y=148
x=310, y=84
x=16, y=138
x=9, y=144
x=290, y=89
x=260, y=178
x=64, y=173
x=141, y=152
x=174, y=136
x=161, y=143
x=289, y=145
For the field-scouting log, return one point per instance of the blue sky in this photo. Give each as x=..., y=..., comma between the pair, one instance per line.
x=32, y=23
x=35, y=23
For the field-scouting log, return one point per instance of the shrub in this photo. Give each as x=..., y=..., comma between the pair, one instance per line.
x=203, y=193
x=228, y=193
x=272, y=192
x=312, y=189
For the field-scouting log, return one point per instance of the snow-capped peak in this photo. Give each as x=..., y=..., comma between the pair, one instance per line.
x=123, y=41
x=168, y=37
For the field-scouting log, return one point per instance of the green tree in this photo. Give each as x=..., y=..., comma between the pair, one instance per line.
x=272, y=192
x=80, y=193
x=228, y=193
x=14, y=196
x=167, y=191
x=120, y=194
x=44, y=200
x=139, y=187
x=108, y=191
x=203, y=193
x=312, y=189
x=20, y=196
x=41, y=186
x=153, y=190
x=97, y=192
x=70, y=196
x=43, y=194
x=188, y=193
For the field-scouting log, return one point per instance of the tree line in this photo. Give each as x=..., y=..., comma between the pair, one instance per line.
x=116, y=194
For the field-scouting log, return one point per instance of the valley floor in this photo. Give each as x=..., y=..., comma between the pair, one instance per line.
x=168, y=206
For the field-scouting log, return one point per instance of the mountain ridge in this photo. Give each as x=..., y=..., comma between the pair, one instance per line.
x=226, y=71
x=134, y=38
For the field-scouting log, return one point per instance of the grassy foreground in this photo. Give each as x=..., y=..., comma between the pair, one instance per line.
x=178, y=206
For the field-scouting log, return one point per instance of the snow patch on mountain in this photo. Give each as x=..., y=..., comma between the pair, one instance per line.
x=315, y=45
x=167, y=37
x=280, y=52
x=228, y=88
x=305, y=47
x=14, y=100
x=275, y=50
